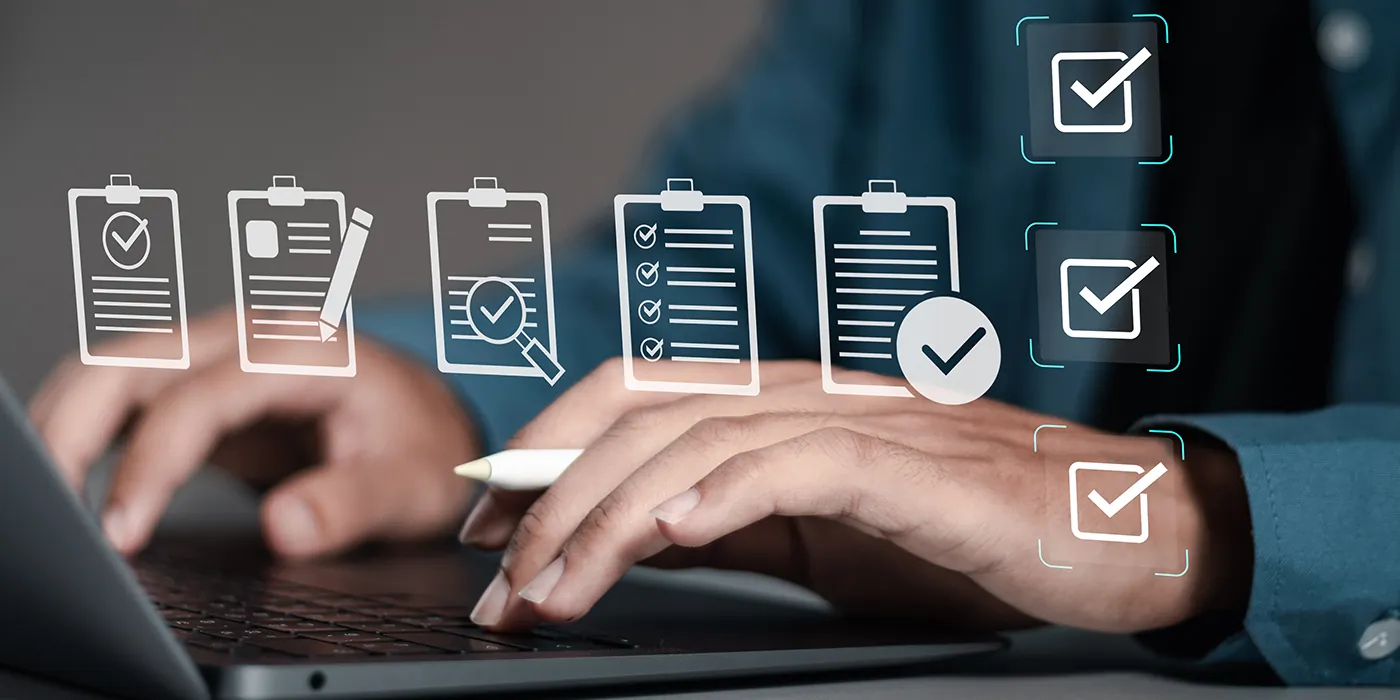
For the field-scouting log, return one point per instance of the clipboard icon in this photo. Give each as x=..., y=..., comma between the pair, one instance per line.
x=128, y=275
x=686, y=285
x=295, y=257
x=878, y=254
x=486, y=322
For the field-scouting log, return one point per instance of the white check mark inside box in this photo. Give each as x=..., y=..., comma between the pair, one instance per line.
x=1136, y=491
x=1102, y=305
x=1094, y=98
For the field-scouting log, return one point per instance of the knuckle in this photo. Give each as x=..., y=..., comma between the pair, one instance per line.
x=718, y=430
x=843, y=445
x=602, y=522
x=638, y=421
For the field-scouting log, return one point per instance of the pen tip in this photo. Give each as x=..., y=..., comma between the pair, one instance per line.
x=327, y=330
x=479, y=470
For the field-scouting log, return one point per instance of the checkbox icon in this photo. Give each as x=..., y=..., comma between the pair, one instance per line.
x=644, y=236
x=648, y=274
x=649, y=311
x=1102, y=305
x=652, y=349
x=1082, y=476
x=1118, y=82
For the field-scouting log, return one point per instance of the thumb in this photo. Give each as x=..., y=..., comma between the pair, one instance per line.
x=332, y=507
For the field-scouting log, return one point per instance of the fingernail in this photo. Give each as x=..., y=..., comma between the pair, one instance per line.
x=297, y=530
x=543, y=584
x=488, y=610
x=114, y=526
x=471, y=524
x=677, y=507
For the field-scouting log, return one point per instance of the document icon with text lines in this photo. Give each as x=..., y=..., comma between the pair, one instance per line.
x=490, y=321
x=128, y=276
x=686, y=283
x=295, y=257
x=878, y=254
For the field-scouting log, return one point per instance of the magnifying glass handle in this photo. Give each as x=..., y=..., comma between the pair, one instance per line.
x=540, y=359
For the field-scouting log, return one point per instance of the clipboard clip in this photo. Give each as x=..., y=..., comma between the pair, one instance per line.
x=282, y=194
x=875, y=201
x=127, y=193
x=479, y=196
x=688, y=199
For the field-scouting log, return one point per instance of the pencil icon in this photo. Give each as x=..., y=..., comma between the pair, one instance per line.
x=338, y=295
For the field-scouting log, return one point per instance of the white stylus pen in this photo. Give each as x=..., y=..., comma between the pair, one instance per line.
x=519, y=470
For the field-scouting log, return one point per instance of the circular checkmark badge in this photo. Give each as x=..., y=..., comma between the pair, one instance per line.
x=948, y=350
x=644, y=236
x=496, y=310
x=126, y=240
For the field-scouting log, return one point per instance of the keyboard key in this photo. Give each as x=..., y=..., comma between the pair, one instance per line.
x=435, y=621
x=178, y=614
x=306, y=647
x=479, y=635
x=297, y=608
x=346, y=636
x=252, y=633
x=381, y=611
x=530, y=641
x=383, y=627
x=451, y=642
x=303, y=627
x=339, y=617
x=211, y=643
x=205, y=624
x=464, y=613
x=395, y=648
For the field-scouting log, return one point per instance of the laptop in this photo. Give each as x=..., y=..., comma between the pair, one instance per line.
x=188, y=620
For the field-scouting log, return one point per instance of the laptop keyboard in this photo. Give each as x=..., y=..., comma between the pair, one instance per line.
x=249, y=617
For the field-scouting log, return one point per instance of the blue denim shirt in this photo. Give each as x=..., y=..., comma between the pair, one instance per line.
x=932, y=94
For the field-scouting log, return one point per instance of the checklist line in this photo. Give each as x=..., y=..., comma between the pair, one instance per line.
x=700, y=231
x=705, y=346
x=279, y=293
x=138, y=292
x=282, y=336
x=521, y=227
x=869, y=307
x=700, y=307
x=134, y=304
x=509, y=239
x=870, y=232
x=886, y=276
x=471, y=278
x=698, y=283
x=308, y=224
x=133, y=329
x=310, y=239
x=133, y=317
x=896, y=292
x=715, y=270
x=309, y=251
x=280, y=307
x=866, y=355
x=883, y=246
x=701, y=246
x=861, y=339
x=283, y=322
x=713, y=360
x=134, y=280
x=702, y=322
x=878, y=324
x=287, y=278
x=883, y=261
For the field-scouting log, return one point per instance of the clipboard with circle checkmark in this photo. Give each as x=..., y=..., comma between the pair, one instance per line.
x=128, y=275
x=686, y=287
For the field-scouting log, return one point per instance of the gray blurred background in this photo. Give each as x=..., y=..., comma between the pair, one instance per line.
x=384, y=100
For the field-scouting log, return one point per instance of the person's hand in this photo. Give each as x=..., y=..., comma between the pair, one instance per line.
x=884, y=506
x=347, y=459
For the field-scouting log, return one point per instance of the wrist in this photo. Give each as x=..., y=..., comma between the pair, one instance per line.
x=1225, y=543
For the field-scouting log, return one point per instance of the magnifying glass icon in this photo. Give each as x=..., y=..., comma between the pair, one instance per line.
x=497, y=311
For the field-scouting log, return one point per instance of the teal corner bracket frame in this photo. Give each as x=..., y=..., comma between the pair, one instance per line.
x=1028, y=159
x=1035, y=437
x=1034, y=224
x=1031, y=341
x=1171, y=150
x=1029, y=18
x=1166, y=30
x=1040, y=552
x=1182, y=443
x=1176, y=366
x=1183, y=571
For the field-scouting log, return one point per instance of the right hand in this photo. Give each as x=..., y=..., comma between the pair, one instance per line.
x=346, y=459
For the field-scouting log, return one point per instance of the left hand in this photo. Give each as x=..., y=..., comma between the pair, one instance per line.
x=889, y=506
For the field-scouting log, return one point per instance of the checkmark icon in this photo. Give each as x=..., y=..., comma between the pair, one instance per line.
x=946, y=366
x=501, y=310
x=647, y=274
x=652, y=349
x=644, y=236
x=131, y=240
x=1095, y=98
x=1107, y=302
x=649, y=311
x=1130, y=495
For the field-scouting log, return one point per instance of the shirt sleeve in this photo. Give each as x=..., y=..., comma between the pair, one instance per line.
x=1324, y=491
x=771, y=134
